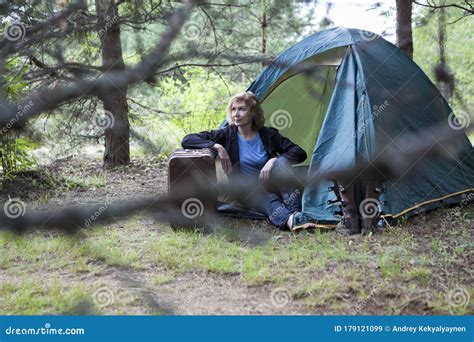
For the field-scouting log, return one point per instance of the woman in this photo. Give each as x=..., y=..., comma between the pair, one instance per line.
x=247, y=147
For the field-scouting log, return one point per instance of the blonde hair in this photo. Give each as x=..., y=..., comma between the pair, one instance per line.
x=251, y=101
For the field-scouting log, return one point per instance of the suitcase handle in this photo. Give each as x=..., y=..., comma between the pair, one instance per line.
x=196, y=151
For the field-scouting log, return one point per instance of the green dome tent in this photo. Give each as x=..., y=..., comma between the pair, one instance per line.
x=363, y=93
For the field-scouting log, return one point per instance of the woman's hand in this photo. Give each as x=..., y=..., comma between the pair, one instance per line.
x=265, y=171
x=224, y=157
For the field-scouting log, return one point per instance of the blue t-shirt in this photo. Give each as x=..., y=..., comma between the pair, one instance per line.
x=252, y=155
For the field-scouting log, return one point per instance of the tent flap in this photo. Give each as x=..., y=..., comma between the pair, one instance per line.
x=367, y=96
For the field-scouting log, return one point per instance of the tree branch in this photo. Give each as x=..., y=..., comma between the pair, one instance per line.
x=48, y=99
x=429, y=5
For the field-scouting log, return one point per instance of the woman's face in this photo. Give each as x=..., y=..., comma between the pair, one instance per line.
x=240, y=114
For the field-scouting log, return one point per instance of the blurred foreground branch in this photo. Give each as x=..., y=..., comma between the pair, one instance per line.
x=390, y=163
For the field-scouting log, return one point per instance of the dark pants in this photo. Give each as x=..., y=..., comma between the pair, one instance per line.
x=279, y=206
x=277, y=202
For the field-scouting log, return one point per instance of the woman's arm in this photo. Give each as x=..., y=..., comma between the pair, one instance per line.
x=289, y=150
x=224, y=157
x=204, y=139
x=212, y=139
x=267, y=168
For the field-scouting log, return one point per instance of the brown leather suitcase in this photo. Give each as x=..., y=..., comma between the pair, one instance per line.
x=192, y=187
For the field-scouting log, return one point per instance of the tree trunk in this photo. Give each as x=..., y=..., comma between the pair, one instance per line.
x=443, y=75
x=263, y=27
x=404, y=33
x=117, y=128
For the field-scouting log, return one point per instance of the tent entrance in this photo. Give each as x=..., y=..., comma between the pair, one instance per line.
x=297, y=107
x=297, y=102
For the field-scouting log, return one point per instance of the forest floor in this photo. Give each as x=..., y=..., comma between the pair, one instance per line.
x=139, y=265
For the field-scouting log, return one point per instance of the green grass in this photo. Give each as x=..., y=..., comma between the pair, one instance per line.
x=108, y=246
x=387, y=272
x=162, y=279
x=90, y=182
x=421, y=274
x=272, y=262
x=28, y=297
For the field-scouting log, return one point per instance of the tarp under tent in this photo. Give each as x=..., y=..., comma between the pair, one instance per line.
x=345, y=94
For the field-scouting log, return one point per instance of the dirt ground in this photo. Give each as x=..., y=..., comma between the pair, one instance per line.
x=136, y=290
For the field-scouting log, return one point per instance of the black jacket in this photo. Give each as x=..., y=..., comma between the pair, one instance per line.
x=274, y=143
